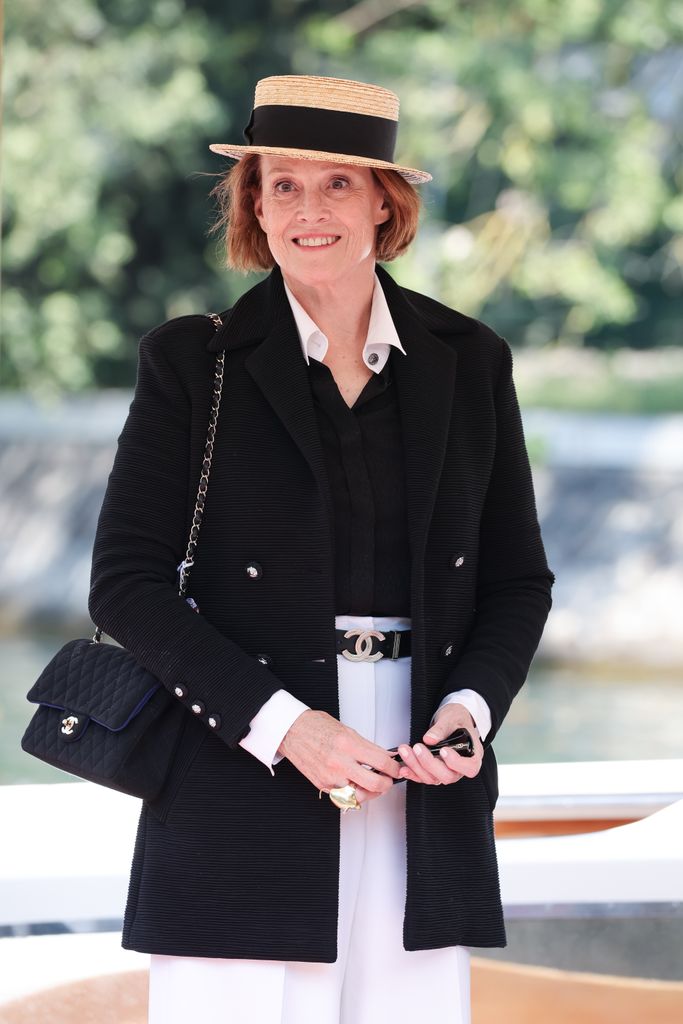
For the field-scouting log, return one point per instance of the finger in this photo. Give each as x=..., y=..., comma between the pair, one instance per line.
x=377, y=758
x=438, y=731
x=468, y=766
x=416, y=764
x=373, y=782
x=406, y=773
x=434, y=769
x=363, y=795
x=411, y=763
x=447, y=720
x=434, y=765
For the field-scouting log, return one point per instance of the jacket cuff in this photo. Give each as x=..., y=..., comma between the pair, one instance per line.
x=269, y=726
x=475, y=704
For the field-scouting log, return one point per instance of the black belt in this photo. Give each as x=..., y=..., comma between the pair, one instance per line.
x=373, y=644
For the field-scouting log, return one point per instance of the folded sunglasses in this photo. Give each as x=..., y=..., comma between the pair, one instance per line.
x=461, y=741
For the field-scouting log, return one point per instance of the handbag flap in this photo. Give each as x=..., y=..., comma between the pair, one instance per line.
x=97, y=680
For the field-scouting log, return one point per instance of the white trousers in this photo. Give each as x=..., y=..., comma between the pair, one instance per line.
x=374, y=979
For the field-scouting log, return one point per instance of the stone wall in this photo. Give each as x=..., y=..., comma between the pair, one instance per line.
x=609, y=491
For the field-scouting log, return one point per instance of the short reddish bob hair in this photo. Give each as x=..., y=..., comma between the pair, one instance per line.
x=246, y=244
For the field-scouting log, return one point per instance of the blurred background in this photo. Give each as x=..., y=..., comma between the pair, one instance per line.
x=554, y=133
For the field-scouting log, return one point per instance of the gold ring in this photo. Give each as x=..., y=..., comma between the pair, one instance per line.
x=344, y=797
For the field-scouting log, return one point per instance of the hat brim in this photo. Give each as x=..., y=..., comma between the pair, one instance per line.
x=412, y=175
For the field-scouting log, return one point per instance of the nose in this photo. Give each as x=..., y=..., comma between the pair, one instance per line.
x=312, y=206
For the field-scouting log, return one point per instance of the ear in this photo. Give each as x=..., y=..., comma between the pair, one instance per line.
x=383, y=212
x=258, y=208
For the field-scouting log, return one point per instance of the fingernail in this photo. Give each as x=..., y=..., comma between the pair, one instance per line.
x=444, y=752
x=418, y=748
x=429, y=736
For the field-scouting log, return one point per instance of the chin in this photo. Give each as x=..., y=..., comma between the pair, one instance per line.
x=315, y=275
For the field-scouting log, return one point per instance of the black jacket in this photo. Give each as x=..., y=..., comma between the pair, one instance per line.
x=229, y=861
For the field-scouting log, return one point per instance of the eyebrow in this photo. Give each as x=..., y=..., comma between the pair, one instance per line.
x=288, y=170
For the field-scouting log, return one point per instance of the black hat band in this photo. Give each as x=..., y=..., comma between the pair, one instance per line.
x=328, y=131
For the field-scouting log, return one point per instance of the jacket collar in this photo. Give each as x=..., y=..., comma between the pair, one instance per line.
x=425, y=380
x=252, y=316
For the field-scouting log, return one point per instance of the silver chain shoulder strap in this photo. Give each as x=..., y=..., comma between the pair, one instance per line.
x=188, y=561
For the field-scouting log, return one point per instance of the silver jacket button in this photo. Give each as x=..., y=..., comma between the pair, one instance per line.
x=215, y=721
x=197, y=707
x=457, y=561
x=180, y=691
x=253, y=570
x=446, y=650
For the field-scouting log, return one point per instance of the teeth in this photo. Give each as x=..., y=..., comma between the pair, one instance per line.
x=317, y=241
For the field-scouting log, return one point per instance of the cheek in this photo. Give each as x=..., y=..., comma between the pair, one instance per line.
x=271, y=225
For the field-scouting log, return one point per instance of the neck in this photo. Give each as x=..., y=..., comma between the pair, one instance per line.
x=341, y=309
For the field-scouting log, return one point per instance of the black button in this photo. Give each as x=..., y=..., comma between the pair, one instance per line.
x=197, y=707
x=253, y=570
x=265, y=659
x=457, y=560
x=447, y=650
x=373, y=358
x=180, y=691
x=214, y=721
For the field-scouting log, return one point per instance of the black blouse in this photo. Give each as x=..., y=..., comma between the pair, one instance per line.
x=363, y=448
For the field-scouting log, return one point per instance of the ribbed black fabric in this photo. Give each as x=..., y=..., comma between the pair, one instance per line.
x=363, y=451
x=229, y=861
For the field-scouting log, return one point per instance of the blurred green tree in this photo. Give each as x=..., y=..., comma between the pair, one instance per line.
x=110, y=109
x=554, y=133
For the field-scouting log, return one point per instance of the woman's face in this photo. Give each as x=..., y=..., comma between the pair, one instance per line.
x=320, y=218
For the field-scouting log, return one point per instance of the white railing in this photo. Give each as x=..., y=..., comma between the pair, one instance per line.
x=66, y=848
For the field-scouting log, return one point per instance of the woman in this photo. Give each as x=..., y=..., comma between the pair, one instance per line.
x=370, y=574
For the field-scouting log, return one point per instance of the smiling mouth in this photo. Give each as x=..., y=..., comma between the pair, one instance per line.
x=320, y=242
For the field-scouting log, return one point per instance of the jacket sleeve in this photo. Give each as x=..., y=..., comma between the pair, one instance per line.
x=140, y=539
x=513, y=596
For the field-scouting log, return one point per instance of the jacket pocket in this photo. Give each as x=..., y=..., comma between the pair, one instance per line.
x=489, y=777
x=191, y=741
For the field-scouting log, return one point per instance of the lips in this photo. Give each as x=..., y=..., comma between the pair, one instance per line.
x=316, y=241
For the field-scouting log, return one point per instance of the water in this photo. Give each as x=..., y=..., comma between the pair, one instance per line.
x=561, y=714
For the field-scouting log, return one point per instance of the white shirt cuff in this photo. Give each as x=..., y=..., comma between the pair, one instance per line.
x=475, y=704
x=269, y=725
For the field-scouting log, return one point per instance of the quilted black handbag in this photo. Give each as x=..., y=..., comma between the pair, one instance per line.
x=101, y=715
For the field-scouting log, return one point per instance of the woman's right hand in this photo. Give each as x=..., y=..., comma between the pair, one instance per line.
x=330, y=754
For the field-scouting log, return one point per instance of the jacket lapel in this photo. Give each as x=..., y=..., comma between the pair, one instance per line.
x=278, y=367
x=425, y=382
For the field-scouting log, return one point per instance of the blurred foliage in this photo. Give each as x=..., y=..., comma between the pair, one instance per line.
x=625, y=380
x=554, y=133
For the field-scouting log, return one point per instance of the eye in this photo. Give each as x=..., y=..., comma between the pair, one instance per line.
x=338, y=184
x=283, y=186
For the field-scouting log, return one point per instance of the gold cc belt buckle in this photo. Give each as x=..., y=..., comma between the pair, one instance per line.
x=363, y=645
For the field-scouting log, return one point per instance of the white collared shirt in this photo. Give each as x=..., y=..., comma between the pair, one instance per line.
x=382, y=333
x=272, y=721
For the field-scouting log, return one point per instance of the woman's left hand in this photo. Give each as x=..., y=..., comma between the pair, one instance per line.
x=446, y=766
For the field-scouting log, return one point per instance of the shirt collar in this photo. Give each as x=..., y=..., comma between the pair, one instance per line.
x=381, y=335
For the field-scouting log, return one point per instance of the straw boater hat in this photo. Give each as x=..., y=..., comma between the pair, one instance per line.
x=331, y=119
